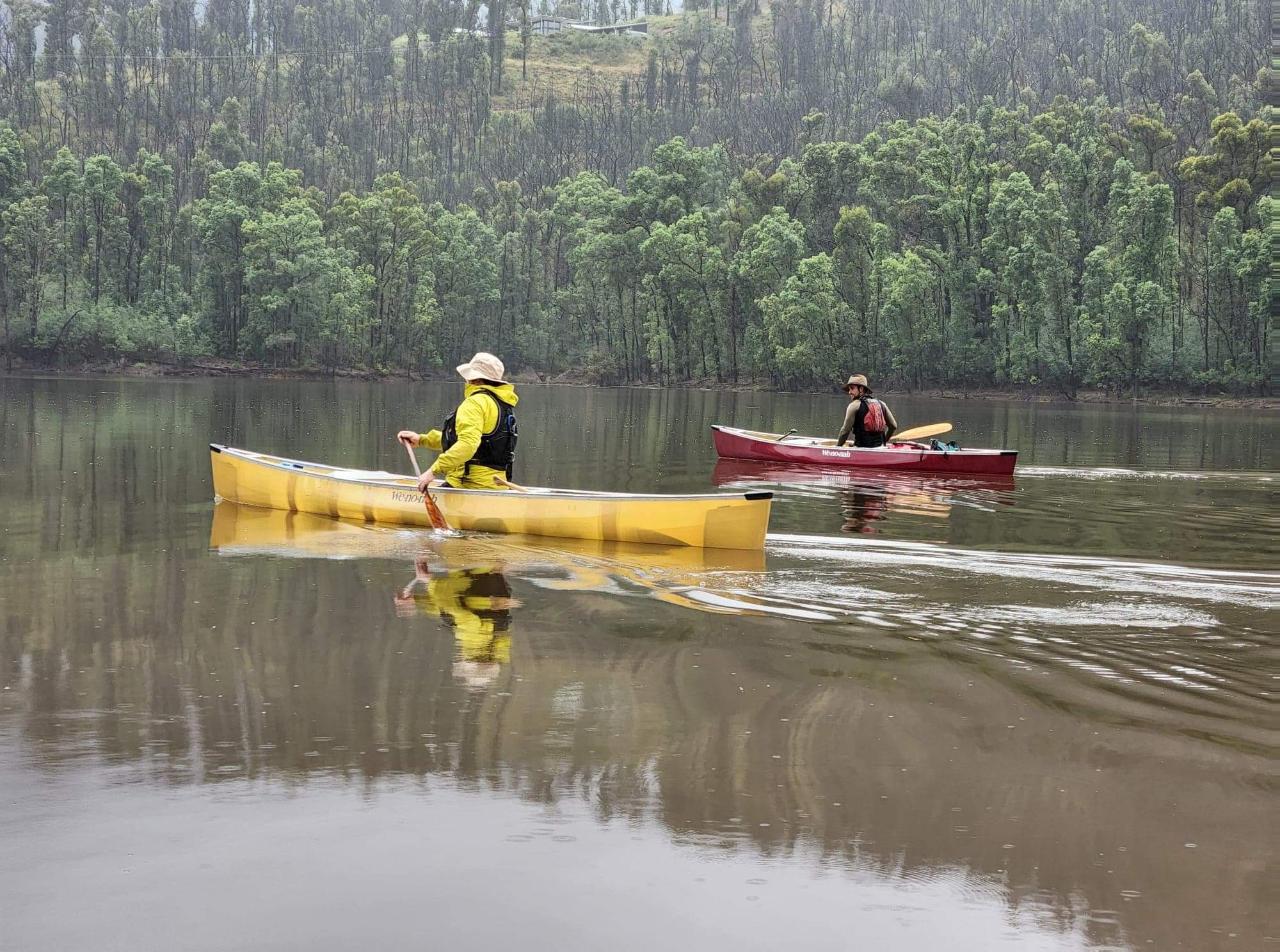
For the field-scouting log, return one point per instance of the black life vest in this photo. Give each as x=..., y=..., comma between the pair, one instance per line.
x=863, y=433
x=497, y=449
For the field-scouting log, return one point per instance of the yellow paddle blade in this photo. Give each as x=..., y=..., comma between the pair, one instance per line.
x=920, y=432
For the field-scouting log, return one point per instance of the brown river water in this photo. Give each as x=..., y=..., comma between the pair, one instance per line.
x=934, y=714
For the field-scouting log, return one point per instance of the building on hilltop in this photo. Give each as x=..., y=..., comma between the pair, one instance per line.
x=638, y=28
x=545, y=25
x=542, y=25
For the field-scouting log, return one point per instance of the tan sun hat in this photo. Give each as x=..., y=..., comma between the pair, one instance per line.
x=483, y=367
x=857, y=380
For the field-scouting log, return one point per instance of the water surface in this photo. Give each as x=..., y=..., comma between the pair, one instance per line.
x=1033, y=713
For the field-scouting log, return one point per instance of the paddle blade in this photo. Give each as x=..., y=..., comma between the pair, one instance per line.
x=922, y=432
x=434, y=513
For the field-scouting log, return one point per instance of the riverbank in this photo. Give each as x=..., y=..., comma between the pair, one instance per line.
x=225, y=368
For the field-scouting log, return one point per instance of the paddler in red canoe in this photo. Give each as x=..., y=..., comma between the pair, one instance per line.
x=869, y=420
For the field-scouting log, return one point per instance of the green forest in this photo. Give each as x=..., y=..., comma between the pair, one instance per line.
x=959, y=193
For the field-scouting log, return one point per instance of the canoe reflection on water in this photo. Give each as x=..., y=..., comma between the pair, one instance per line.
x=457, y=573
x=867, y=496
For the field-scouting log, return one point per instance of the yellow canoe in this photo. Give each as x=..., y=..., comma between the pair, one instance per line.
x=712, y=521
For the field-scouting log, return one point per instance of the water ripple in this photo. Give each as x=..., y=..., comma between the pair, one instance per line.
x=1256, y=589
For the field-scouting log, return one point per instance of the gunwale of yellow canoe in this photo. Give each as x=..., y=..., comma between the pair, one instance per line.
x=706, y=520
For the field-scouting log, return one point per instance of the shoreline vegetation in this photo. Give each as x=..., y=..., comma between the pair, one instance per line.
x=224, y=368
x=963, y=197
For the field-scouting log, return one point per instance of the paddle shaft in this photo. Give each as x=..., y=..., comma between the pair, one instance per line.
x=433, y=511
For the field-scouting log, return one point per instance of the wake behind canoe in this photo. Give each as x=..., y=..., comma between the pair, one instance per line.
x=713, y=521
x=733, y=443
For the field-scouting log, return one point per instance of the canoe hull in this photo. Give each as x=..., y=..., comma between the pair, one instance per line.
x=733, y=443
x=719, y=521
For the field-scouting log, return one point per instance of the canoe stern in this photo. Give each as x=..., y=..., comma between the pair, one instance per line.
x=275, y=483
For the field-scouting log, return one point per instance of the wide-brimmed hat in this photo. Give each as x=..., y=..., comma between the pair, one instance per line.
x=483, y=367
x=857, y=380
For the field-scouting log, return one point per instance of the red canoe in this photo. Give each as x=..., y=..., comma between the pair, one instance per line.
x=732, y=443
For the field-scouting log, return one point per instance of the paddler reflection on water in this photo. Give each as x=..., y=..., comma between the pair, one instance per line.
x=477, y=443
x=868, y=420
x=863, y=507
x=476, y=604
x=873, y=499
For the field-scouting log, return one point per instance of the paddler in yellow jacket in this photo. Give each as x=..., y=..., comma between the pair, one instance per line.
x=477, y=443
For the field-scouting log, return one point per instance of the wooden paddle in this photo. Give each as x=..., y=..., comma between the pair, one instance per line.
x=433, y=511
x=920, y=432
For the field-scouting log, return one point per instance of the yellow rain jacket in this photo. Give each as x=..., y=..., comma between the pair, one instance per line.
x=477, y=416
